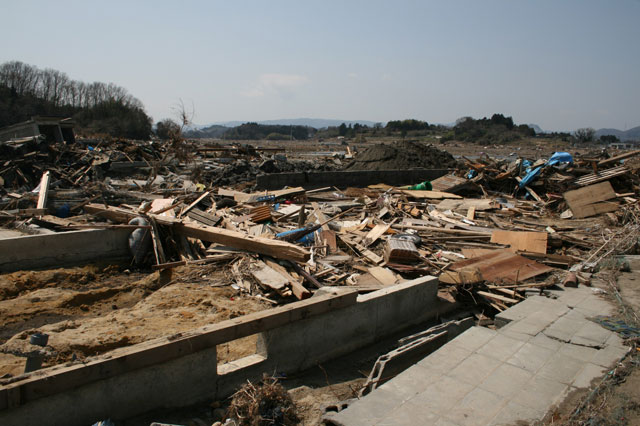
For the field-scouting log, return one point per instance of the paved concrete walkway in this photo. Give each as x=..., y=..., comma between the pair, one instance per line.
x=545, y=349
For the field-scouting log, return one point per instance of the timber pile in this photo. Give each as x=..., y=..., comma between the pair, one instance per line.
x=490, y=238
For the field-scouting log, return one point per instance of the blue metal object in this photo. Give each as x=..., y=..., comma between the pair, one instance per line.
x=267, y=198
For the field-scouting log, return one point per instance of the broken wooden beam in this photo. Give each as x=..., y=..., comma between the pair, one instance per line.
x=44, y=190
x=235, y=239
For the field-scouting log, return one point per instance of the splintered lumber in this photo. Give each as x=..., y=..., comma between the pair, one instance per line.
x=273, y=248
x=498, y=297
x=551, y=259
x=195, y=203
x=298, y=289
x=468, y=203
x=497, y=266
x=531, y=191
x=163, y=206
x=307, y=276
x=588, y=201
x=535, y=242
x=243, y=197
x=429, y=195
x=235, y=239
x=271, y=279
x=374, y=234
x=44, y=190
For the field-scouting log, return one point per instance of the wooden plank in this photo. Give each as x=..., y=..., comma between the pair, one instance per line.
x=579, y=198
x=274, y=248
x=44, y=190
x=270, y=278
x=163, y=206
x=535, y=242
x=374, y=234
x=498, y=297
x=467, y=203
x=470, y=253
x=195, y=203
x=618, y=157
x=429, y=195
x=596, y=209
x=471, y=213
x=270, y=247
x=531, y=191
x=384, y=275
x=601, y=176
x=296, y=287
x=329, y=237
x=62, y=378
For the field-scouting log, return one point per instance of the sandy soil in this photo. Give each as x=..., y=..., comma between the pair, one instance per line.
x=90, y=310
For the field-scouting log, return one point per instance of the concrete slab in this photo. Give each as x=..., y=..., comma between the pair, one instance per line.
x=545, y=349
x=561, y=368
x=588, y=374
x=531, y=357
x=474, y=369
x=506, y=380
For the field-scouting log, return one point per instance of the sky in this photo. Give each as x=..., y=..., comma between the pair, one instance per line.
x=561, y=64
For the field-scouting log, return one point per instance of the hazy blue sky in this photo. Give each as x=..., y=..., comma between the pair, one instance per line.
x=559, y=64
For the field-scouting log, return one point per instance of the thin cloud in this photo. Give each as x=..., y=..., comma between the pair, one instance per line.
x=283, y=85
x=352, y=75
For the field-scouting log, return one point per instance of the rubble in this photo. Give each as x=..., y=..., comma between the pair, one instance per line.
x=493, y=230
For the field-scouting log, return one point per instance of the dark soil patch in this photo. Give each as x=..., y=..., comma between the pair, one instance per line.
x=402, y=155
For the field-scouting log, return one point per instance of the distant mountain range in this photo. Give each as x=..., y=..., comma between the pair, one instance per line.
x=623, y=135
x=317, y=123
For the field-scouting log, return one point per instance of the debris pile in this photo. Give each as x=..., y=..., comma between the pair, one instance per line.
x=493, y=231
x=265, y=403
x=401, y=156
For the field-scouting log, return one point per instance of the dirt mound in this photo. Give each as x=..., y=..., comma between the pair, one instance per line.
x=402, y=155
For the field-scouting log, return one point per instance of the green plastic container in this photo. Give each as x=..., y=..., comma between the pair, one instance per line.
x=424, y=186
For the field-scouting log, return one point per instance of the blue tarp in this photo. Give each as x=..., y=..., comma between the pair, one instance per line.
x=556, y=158
x=559, y=157
x=530, y=177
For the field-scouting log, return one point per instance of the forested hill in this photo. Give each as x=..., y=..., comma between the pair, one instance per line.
x=98, y=108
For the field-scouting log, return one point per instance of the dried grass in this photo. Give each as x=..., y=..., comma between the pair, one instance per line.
x=267, y=403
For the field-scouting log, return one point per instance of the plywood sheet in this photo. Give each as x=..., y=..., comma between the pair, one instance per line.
x=591, y=194
x=535, y=242
x=384, y=275
x=449, y=183
x=498, y=266
x=595, y=209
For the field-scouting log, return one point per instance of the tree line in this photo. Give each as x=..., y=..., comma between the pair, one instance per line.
x=27, y=90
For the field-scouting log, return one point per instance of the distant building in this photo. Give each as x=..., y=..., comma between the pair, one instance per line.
x=54, y=129
x=625, y=145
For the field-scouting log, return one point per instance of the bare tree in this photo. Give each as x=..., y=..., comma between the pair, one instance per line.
x=586, y=134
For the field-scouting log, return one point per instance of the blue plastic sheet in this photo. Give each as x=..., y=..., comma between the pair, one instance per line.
x=559, y=157
x=530, y=177
x=472, y=173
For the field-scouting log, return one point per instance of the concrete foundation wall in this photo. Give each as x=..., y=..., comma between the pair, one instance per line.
x=343, y=179
x=197, y=377
x=62, y=249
